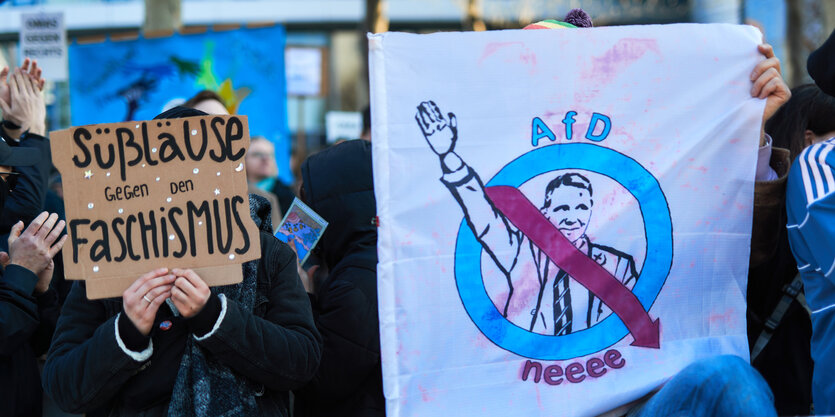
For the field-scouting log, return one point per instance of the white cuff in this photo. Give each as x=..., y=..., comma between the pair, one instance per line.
x=137, y=356
x=219, y=319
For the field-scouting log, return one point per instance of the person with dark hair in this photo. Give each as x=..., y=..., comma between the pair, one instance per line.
x=24, y=126
x=173, y=346
x=338, y=185
x=366, y=124
x=208, y=102
x=806, y=119
x=809, y=203
x=821, y=65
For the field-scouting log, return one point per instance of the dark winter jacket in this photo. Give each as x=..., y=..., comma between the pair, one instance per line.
x=786, y=362
x=27, y=199
x=26, y=325
x=276, y=346
x=337, y=184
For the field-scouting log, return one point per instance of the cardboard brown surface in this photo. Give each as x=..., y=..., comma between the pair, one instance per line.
x=161, y=193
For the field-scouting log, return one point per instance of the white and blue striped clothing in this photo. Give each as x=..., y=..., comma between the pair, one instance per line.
x=810, y=201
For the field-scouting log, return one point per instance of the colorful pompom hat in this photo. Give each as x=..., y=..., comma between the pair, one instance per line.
x=576, y=18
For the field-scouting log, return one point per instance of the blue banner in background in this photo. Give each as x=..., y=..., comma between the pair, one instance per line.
x=136, y=79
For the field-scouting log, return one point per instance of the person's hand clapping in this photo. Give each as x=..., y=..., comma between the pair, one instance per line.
x=25, y=104
x=142, y=299
x=190, y=293
x=35, y=247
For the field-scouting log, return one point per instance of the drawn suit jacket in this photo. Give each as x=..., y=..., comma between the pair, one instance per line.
x=531, y=287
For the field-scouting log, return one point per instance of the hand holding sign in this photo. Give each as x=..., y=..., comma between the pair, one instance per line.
x=164, y=192
x=142, y=299
x=190, y=292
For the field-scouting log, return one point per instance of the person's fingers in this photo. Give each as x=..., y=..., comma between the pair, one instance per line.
x=15, y=83
x=3, y=74
x=41, y=81
x=35, y=69
x=6, y=107
x=4, y=259
x=30, y=84
x=57, y=246
x=762, y=80
x=770, y=88
x=192, y=278
x=36, y=224
x=156, y=292
x=766, y=50
x=180, y=299
x=155, y=282
x=14, y=233
x=153, y=306
x=144, y=278
x=55, y=233
x=25, y=66
x=763, y=66
x=185, y=286
x=47, y=225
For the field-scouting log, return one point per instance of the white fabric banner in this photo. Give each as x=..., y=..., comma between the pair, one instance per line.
x=565, y=215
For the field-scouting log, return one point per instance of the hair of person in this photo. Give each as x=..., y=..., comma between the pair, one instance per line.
x=366, y=119
x=572, y=179
x=809, y=108
x=203, y=96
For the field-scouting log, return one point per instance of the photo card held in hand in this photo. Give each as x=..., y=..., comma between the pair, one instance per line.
x=303, y=227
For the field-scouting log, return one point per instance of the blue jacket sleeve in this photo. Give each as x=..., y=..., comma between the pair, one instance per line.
x=18, y=308
x=810, y=205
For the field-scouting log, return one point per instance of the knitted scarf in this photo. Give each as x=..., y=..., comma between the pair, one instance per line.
x=205, y=387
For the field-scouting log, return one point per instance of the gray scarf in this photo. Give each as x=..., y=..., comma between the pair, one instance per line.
x=205, y=387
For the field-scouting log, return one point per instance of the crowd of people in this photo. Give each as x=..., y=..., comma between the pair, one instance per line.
x=304, y=340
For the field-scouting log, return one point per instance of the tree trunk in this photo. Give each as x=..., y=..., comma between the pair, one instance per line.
x=474, y=19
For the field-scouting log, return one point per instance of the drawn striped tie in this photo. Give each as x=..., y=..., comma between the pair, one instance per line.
x=562, y=305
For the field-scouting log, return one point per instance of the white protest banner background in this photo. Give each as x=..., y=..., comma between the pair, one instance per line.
x=43, y=37
x=565, y=215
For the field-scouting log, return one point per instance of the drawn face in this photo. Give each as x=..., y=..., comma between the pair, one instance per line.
x=570, y=211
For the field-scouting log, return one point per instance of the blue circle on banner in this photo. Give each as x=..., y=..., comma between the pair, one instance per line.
x=658, y=230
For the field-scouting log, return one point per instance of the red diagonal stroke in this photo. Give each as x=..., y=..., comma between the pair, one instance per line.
x=524, y=215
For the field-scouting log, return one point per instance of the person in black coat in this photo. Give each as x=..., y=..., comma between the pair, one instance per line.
x=28, y=306
x=338, y=185
x=173, y=346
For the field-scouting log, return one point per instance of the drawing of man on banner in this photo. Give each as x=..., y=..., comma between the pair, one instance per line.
x=548, y=301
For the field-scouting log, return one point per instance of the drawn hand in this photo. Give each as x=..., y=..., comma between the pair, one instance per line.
x=190, y=292
x=154, y=286
x=440, y=134
x=769, y=83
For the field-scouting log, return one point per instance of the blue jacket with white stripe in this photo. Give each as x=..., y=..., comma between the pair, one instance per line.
x=810, y=202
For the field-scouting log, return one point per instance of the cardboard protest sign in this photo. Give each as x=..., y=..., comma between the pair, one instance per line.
x=565, y=215
x=141, y=195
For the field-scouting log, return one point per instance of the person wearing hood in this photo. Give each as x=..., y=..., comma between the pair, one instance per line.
x=173, y=346
x=338, y=185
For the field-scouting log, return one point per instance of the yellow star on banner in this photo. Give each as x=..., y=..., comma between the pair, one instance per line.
x=232, y=98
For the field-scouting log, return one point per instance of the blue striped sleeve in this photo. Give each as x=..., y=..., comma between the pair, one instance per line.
x=810, y=203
